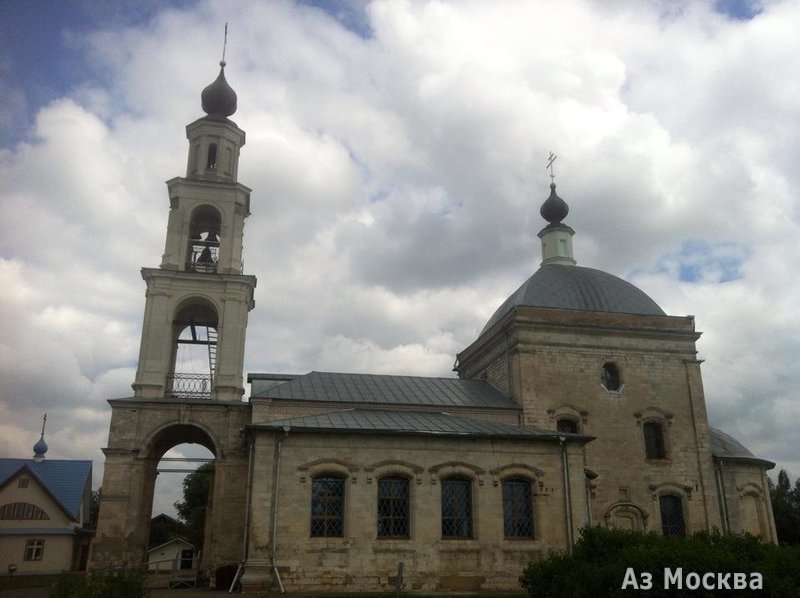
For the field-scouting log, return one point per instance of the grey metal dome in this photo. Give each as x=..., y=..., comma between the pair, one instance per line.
x=725, y=446
x=573, y=287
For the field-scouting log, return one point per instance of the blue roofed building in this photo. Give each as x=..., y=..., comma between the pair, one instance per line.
x=44, y=513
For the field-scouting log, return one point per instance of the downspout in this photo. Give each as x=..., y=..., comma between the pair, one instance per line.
x=567, y=491
x=723, y=503
x=246, y=540
x=275, y=479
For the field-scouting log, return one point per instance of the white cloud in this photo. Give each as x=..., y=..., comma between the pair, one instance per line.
x=396, y=186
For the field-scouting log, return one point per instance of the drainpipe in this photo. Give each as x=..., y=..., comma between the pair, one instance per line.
x=723, y=507
x=567, y=491
x=275, y=479
x=246, y=539
x=692, y=410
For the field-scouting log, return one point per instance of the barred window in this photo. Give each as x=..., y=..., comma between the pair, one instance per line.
x=327, y=507
x=393, y=507
x=34, y=549
x=671, y=515
x=456, y=508
x=654, y=447
x=517, y=508
x=22, y=510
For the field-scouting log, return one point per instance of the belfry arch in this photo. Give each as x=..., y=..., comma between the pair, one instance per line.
x=195, y=325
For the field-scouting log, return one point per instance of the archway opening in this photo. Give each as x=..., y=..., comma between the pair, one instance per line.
x=183, y=468
x=194, y=351
x=204, y=230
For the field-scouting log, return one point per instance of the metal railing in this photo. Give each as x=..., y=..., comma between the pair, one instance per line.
x=189, y=386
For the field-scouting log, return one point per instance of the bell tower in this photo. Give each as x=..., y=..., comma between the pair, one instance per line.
x=197, y=300
x=188, y=386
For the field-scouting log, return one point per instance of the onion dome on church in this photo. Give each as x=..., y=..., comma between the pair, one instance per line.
x=560, y=284
x=219, y=99
x=40, y=448
x=554, y=209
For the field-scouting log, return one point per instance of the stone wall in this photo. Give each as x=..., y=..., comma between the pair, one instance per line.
x=360, y=561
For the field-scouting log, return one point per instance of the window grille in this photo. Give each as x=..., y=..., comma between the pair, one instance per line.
x=517, y=508
x=671, y=515
x=34, y=550
x=654, y=446
x=456, y=508
x=393, y=508
x=327, y=507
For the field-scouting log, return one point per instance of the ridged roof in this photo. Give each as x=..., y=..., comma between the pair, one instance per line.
x=391, y=390
x=65, y=479
x=405, y=422
x=573, y=287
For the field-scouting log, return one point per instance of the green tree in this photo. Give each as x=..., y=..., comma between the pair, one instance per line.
x=94, y=508
x=786, y=508
x=192, y=509
x=611, y=563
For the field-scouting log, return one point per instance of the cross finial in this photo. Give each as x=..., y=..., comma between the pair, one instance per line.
x=224, y=45
x=44, y=422
x=550, y=160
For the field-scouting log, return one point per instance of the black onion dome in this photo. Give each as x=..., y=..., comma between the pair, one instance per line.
x=219, y=99
x=554, y=209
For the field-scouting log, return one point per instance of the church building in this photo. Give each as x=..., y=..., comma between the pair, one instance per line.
x=580, y=403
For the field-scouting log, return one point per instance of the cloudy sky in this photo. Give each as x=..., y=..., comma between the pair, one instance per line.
x=396, y=151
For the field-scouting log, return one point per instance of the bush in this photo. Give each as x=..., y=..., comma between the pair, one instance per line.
x=100, y=584
x=602, y=558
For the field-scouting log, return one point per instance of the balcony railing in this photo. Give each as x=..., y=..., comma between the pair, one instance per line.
x=189, y=386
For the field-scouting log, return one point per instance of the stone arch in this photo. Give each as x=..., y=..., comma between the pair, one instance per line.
x=140, y=434
x=391, y=467
x=751, y=507
x=517, y=470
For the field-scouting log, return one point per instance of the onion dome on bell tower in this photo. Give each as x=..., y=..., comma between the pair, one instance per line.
x=219, y=99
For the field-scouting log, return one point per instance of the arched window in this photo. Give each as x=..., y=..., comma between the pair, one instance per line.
x=456, y=508
x=610, y=377
x=393, y=507
x=211, y=162
x=194, y=358
x=672, y=523
x=654, y=445
x=517, y=508
x=567, y=425
x=22, y=511
x=327, y=507
x=204, y=230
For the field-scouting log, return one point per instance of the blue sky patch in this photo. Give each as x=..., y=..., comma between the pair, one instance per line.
x=741, y=10
x=700, y=261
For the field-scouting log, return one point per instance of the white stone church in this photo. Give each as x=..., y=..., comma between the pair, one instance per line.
x=580, y=403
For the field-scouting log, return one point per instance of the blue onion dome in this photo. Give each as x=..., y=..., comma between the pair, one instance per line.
x=219, y=99
x=554, y=209
x=40, y=448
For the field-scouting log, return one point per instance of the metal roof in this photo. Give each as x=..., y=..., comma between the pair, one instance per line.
x=405, y=422
x=392, y=390
x=574, y=287
x=66, y=480
x=724, y=446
